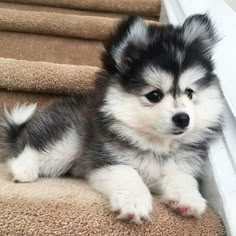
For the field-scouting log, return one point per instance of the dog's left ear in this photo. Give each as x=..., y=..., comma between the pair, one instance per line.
x=199, y=29
x=125, y=45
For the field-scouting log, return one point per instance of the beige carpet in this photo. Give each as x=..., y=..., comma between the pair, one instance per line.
x=69, y=207
x=46, y=77
x=51, y=48
x=137, y=7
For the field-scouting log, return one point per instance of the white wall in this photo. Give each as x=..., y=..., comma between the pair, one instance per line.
x=232, y=4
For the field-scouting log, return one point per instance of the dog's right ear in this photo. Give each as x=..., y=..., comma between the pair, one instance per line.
x=125, y=45
x=200, y=30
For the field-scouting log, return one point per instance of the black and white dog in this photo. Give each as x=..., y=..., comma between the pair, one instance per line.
x=146, y=128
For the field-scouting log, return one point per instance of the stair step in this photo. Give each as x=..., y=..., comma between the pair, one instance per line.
x=44, y=77
x=136, y=7
x=62, y=50
x=86, y=27
x=9, y=99
x=38, y=8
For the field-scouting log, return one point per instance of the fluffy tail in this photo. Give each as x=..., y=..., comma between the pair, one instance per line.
x=11, y=125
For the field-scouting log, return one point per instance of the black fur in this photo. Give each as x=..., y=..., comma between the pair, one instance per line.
x=82, y=113
x=160, y=52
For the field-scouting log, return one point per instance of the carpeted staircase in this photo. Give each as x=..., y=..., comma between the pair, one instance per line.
x=52, y=46
x=49, y=48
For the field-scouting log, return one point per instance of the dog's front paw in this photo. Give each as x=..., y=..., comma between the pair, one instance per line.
x=23, y=171
x=132, y=206
x=185, y=202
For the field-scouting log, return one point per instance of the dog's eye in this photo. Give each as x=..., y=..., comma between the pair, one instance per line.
x=155, y=96
x=189, y=92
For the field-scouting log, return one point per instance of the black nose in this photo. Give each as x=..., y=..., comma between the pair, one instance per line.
x=181, y=120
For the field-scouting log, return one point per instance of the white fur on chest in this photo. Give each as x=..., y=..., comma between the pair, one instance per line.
x=147, y=163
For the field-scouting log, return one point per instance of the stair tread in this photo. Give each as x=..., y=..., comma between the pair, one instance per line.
x=66, y=25
x=67, y=206
x=140, y=7
x=38, y=8
x=44, y=77
x=62, y=50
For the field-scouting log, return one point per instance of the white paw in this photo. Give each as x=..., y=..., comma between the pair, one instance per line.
x=131, y=206
x=23, y=171
x=185, y=202
x=24, y=176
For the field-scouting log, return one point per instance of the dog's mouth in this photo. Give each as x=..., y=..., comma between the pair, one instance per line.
x=179, y=132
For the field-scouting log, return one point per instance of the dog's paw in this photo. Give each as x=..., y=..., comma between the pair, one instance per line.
x=186, y=203
x=132, y=206
x=24, y=176
x=21, y=172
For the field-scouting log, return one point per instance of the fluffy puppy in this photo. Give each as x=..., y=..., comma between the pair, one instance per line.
x=146, y=128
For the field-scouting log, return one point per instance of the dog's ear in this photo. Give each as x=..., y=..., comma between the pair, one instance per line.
x=125, y=45
x=198, y=29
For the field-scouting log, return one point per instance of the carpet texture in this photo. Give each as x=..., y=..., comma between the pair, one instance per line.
x=46, y=77
x=137, y=7
x=69, y=207
x=49, y=49
x=9, y=99
x=38, y=8
x=88, y=27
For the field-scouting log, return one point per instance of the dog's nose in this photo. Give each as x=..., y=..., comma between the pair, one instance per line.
x=181, y=120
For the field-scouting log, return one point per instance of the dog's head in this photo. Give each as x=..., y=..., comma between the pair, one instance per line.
x=161, y=77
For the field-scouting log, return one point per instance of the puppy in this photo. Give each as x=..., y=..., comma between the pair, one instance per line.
x=145, y=128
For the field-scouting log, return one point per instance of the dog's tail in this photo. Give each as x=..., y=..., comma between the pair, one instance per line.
x=11, y=126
